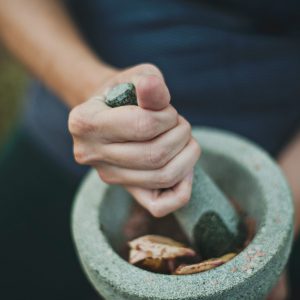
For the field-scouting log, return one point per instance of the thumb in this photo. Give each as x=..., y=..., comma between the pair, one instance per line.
x=152, y=92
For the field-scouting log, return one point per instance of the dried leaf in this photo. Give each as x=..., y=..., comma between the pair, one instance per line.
x=155, y=264
x=204, y=265
x=227, y=257
x=157, y=239
x=136, y=256
x=157, y=247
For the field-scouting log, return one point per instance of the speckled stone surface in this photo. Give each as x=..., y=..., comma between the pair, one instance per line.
x=122, y=94
x=209, y=220
x=243, y=172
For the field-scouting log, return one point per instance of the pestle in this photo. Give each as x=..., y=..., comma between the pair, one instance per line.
x=209, y=220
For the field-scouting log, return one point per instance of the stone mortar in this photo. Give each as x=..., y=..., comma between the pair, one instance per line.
x=245, y=173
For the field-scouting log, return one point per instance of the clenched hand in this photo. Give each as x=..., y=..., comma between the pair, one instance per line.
x=148, y=148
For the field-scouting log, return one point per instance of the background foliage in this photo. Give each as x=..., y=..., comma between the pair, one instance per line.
x=12, y=86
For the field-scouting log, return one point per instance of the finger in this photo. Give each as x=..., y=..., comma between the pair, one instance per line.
x=152, y=92
x=165, y=177
x=95, y=121
x=161, y=203
x=280, y=291
x=132, y=123
x=150, y=155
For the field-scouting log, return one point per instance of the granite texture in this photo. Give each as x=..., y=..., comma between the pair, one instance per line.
x=209, y=220
x=245, y=173
x=122, y=94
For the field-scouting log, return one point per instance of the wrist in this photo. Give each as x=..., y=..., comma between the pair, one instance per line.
x=88, y=77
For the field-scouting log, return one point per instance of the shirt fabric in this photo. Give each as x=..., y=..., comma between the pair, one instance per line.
x=232, y=64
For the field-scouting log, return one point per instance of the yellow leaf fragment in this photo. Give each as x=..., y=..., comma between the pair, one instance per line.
x=136, y=256
x=154, y=264
x=204, y=265
x=227, y=257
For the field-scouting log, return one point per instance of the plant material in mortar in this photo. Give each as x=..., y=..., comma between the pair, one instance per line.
x=157, y=247
x=157, y=253
x=144, y=250
x=164, y=255
x=204, y=265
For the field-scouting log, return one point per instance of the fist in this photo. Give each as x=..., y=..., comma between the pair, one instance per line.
x=147, y=148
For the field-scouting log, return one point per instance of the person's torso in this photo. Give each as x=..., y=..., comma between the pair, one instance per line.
x=229, y=64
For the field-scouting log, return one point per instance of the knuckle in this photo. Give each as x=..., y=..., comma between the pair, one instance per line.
x=156, y=210
x=105, y=177
x=146, y=126
x=157, y=156
x=198, y=149
x=172, y=110
x=84, y=157
x=80, y=156
x=187, y=127
x=84, y=154
x=172, y=116
x=183, y=198
x=184, y=125
x=151, y=68
x=166, y=179
x=102, y=175
x=79, y=123
x=131, y=109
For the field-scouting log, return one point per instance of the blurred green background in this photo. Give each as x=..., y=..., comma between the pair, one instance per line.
x=12, y=86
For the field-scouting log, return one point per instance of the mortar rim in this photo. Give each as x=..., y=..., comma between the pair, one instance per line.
x=208, y=138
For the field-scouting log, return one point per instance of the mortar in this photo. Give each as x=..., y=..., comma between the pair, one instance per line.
x=243, y=172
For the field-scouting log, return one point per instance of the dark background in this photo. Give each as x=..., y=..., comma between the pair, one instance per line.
x=12, y=86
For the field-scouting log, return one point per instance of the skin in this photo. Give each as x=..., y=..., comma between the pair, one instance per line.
x=126, y=145
x=290, y=165
x=130, y=145
x=289, y=160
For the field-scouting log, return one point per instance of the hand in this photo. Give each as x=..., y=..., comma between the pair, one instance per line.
x=280, y=291
x=147, y=148
x=290, y=165
x=289, y=161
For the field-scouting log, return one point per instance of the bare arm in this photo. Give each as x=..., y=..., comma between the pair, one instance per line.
x=144, y=148
x=289, y=161
x=43, y=37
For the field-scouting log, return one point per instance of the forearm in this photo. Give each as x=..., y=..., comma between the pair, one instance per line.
x=43, y=37
x=289, y=161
